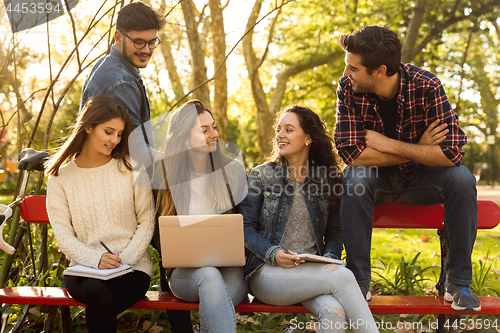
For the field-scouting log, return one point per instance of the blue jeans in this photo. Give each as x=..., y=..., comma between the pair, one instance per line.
x=454, y=188
x=217, y=289
x=328, y=291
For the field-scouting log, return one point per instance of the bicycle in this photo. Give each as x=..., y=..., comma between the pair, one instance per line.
x=29, y=160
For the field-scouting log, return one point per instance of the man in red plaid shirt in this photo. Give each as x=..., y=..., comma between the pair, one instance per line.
x=401, y=140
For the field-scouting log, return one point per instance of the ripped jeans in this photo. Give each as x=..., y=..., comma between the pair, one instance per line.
x=328, y=291
x=218, y=289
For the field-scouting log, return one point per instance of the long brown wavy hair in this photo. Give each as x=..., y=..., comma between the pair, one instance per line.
x=174, y=172
x=322, y=153
x=99, y=109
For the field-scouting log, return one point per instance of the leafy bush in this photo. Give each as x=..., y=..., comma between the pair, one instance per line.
x=403, y=277
x=480, y=275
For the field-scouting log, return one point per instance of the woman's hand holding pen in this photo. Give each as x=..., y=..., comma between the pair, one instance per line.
x=287, y=260
x=109, y=260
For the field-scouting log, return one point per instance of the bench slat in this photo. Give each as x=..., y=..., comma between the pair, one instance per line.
x=158, y=300
x=391, y=215
x=400, y=215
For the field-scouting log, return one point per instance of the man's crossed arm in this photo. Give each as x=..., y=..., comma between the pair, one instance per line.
x=382, y=151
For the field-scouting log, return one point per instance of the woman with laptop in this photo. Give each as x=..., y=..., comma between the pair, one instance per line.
x=99, y=215
x=198, y=179
x=291, y=209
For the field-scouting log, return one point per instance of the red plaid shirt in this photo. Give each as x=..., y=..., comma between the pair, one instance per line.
x=421, y=100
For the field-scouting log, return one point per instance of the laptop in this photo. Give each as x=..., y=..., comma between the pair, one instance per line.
x=202, y=240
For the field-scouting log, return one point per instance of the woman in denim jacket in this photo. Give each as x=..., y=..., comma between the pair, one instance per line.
x=193, y=184
x=294, y=200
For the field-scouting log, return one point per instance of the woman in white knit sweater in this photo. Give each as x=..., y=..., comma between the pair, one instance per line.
x=92, y=196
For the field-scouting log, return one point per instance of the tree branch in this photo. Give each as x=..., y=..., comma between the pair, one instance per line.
x=51, y=86
x=269, y=39
x=413, y=28
x=284, y=75
x=75, y=39
x=439, y=28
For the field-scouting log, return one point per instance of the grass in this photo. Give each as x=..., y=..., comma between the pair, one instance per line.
x=5, y=199
x=392, y=244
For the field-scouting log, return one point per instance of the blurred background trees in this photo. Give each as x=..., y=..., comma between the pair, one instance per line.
x=247, y=59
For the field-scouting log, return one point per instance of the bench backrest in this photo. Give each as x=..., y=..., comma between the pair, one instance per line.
x=400, y=215
x=33, y=209
x=391, y=215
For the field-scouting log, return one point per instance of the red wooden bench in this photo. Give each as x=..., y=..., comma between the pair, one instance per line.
x=392, y=215
x=162, y=300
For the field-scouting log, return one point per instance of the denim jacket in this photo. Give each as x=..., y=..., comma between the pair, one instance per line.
x=114, y=76
x=267, y=207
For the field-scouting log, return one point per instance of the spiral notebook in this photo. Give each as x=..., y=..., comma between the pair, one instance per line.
x=101, y=274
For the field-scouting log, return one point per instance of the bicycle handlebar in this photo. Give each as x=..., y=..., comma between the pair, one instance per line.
x=29, y=160
x=5, y=213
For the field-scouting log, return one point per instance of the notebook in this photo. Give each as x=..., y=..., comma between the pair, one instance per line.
x=101, y=274
x=202, y=240
x=316, y=258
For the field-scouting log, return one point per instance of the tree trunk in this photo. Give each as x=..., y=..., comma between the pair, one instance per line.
x=16, y=86
x=166, y=51
x=197, y=52
x=220, y=80
x=266, y=112
x=264, y=116
x=413, y=28
x=173, y=75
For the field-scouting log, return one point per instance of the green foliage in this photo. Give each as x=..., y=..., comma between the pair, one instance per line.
x=402, y=276
x=241, y=126
x=8, y=187
x=270, y=322
x=480, y=275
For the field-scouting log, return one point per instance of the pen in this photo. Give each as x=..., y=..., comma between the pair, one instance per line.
x=283, y=246
x=107, y=248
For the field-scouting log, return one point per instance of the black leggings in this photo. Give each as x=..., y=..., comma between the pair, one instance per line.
x=106, y=299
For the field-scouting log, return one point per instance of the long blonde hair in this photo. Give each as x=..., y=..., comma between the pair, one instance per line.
x=99, y=109
x=174, y=170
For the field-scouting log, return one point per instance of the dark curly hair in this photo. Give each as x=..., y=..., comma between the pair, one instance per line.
x=322, y=153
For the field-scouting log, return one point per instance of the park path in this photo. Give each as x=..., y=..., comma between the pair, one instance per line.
x=485, y=192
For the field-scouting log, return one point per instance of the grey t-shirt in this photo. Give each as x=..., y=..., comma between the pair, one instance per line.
x=299, y=233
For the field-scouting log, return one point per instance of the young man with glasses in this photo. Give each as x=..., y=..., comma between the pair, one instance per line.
x=117, y=75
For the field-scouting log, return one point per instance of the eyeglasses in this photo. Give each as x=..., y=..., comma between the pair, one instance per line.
x=139, y=43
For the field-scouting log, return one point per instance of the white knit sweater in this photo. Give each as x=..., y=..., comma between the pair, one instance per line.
x=89, y=205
